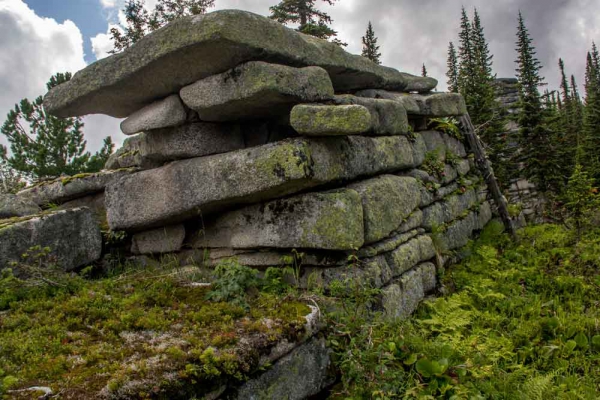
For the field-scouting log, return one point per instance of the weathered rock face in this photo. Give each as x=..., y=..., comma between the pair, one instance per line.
x=194, y=48
x=431, y=105
x=387, y=200
x=72, y=187
x=73, y=237
x=153, y=149
x=299, y=375
x=159, y=241
x=13, y=206
x=324, y=120
x=160, y=114
x=256, y=90
x=328, y=221
x=201, y=186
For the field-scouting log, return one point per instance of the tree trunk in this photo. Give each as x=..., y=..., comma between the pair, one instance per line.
x=488, y=173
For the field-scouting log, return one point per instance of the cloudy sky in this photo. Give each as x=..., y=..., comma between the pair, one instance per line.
x=41, y=37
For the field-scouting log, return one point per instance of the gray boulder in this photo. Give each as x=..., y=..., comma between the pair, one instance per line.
x=68, y=188
x=387, y=117
x=196, y=47
x=303, y=373
x=410, y=254
x=12, y=205
x=401, y=299
x=387, y=200
x=327, y=220
x=449, y=209
x=153, y=149
x=322, y=120
x=160, y=114
x=256, y=90
x=204, y=185
x=158, y=241
x=73, y=237
x=427, y=105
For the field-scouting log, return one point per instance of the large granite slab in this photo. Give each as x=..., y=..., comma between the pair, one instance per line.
x=196, y=47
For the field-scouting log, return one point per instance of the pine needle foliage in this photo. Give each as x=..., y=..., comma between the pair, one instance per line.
x=140, y=21
x=43, y=146
x=370, y=47
x=307, y=16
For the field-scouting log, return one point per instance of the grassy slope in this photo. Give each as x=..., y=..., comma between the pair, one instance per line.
x=522, y=322
x=142, y=333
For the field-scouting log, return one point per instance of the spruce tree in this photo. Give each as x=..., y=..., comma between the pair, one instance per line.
x=310, y=20
x=591, y=119
x=48, y=146
x=370, y=47
x=475, y=81
x=452, y=72
x=140, y=22
x=466, y=66
x=536, y=147
x=424, y=71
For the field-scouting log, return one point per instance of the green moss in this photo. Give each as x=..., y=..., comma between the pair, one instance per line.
x=338, y=226
x=331, y=120
x=285, y=161
x=120, y=331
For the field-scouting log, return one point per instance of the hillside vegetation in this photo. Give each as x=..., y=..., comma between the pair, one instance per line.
x=521, y=322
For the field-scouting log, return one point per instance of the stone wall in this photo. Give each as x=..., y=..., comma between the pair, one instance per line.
x=521, y=192
x=254, y=155
x=250, y=140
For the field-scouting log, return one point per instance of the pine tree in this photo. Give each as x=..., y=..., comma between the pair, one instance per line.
x=466, y=66
x=537, y=152
x=452, y=72
x=591, y=119
x=140, y=21
x=49, y=146
x=370, y=47
x=424, y=71
x=310, y=20
x=475, y=81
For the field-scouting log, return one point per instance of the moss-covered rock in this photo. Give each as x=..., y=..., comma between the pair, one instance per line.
x=256, y=90
x=14, y=206
x=72, y=236
x=324, y=120
x=328, y=220
x=387, y=117
x=193, y=48
x=387, y=200
x=68, y=188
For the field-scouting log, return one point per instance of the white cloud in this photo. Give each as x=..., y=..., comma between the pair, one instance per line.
x=102, y=44
x=108, y=3
x=32, y=49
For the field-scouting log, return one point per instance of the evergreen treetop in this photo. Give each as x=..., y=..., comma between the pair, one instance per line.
x=452, y=72
x=370, y=47
x=43, y=146
x=140, y=21
x=423, y=71
x=310, y=20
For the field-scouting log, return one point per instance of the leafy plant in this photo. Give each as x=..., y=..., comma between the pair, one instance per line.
x=434, y=164
x=233, y=281
x=448, y=126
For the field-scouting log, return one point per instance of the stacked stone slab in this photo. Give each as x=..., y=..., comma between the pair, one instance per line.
x=521, y=191
x=250, y=140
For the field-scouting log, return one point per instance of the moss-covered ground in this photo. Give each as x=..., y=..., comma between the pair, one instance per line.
x=144, y=333
x=518, y=321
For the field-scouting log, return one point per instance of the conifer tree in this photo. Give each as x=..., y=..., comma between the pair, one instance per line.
x=43, y=146
x=424, y=71
x=475, y=81
x=466, y=67
x=537, y=152
x=452, y=72
x=140, y=21
x=591, y=119
x=310, y=20
x=370, y=47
